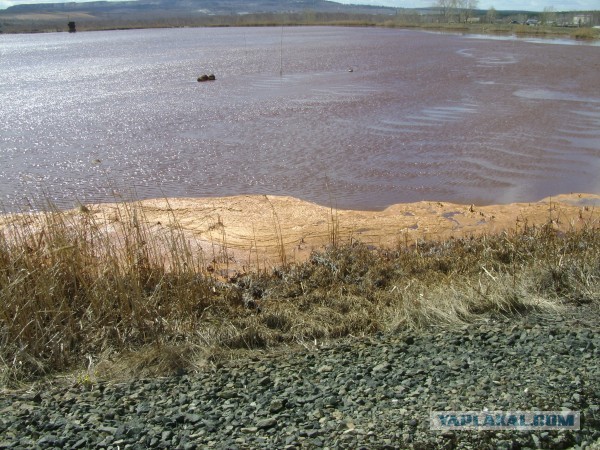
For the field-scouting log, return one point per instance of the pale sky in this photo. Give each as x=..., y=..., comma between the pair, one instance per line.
x=529, y=5
x=522, y=5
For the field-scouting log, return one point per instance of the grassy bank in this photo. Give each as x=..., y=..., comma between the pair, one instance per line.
x=58, y=22
x=584, y=33
x=126, y=300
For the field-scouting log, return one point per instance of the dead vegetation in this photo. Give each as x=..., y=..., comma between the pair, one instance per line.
x=126, y=300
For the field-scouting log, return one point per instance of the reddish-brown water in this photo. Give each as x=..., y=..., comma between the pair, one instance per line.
x=421, y=116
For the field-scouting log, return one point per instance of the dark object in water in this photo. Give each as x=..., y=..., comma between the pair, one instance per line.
x=72, y=27
x=205, y=77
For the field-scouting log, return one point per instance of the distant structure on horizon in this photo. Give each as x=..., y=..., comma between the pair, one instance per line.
x=72, y=28
x=582, y=19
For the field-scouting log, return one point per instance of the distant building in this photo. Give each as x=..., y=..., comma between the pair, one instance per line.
x=582, y=19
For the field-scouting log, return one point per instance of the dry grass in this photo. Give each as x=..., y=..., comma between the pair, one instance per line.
x=70, y=287
x=542, y=31
x=125, y=300
x=585, y=33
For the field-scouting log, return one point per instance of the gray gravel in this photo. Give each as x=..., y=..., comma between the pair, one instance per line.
x=374, y=392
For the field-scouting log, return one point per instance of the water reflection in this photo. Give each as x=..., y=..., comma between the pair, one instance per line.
x=535, y=40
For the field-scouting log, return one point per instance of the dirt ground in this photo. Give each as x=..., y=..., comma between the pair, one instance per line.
x=245, y=232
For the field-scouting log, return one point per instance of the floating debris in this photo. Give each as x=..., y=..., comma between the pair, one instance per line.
x=205, y=77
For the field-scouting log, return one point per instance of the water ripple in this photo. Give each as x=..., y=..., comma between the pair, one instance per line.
x=93, y=115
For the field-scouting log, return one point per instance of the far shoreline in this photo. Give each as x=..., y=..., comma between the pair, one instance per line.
x=56, y=22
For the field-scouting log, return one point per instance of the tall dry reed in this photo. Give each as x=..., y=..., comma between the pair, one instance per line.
x=71, y=286
x=75, y=288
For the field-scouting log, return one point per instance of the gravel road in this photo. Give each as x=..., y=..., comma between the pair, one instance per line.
x=371, y=392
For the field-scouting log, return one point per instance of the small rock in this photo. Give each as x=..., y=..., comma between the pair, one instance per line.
x=81, y=443
x=228, y=394
x=277, y=405
x=193, y=418
x=264, y=381
x=266, y=423
x=383, y=367
x=325, y=369
x=107, y=430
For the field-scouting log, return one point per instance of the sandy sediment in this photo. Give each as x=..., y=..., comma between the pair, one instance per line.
x=246, y=231
x=255, y=229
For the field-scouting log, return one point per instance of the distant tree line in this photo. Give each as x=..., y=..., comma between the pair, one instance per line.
x=457, y=10
x=464, y=11
x=446, y=13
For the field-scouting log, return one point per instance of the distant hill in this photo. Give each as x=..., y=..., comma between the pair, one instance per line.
x=199, y=7
x=43, y=17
